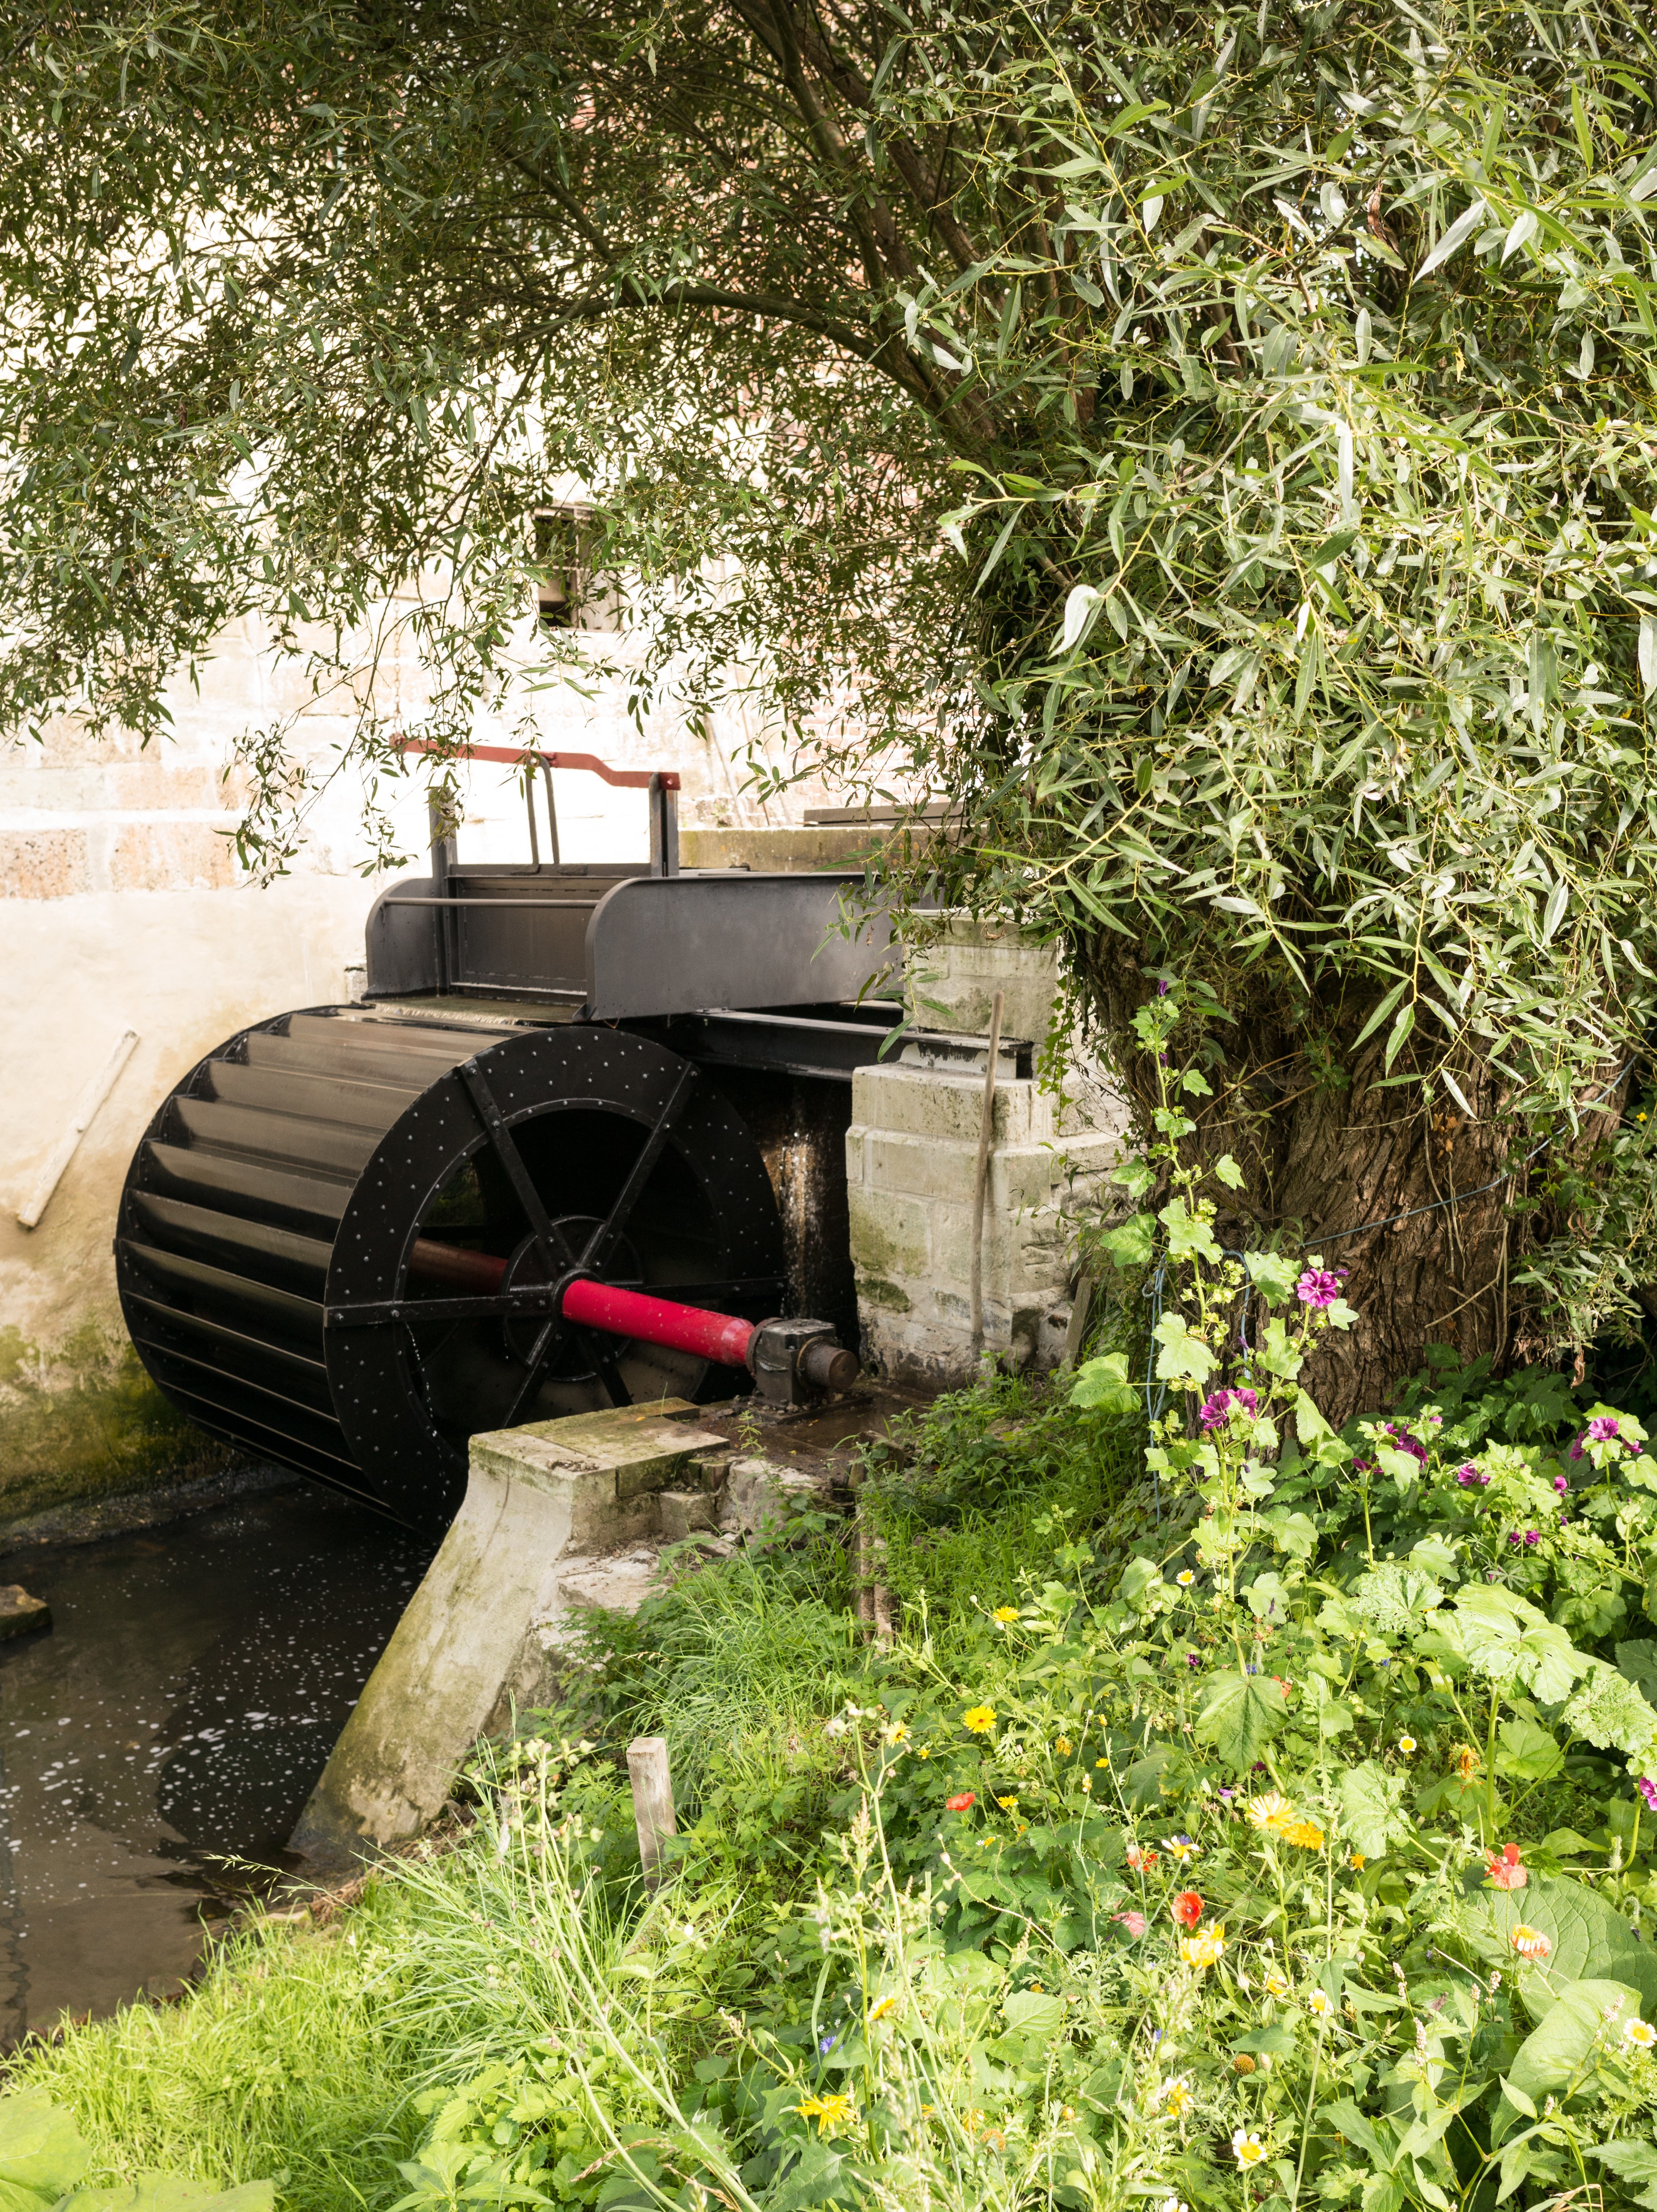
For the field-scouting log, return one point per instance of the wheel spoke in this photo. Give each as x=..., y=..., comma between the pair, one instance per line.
x=609, y=1233
x=550, y=1239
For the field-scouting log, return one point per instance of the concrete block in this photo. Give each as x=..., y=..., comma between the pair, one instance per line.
x=683, y=1510
x=969, y=961
x=922, y=1167
x=536, y=1496
x=917, y=1102
x=761, y=1496
x=890, y=1235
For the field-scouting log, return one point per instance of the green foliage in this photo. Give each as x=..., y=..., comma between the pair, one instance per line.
x=42, y=2157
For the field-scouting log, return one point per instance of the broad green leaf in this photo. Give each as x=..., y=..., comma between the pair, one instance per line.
x=1372, y=1808
x=1434, y=1555
x=1273, y=1350
x=1607, y=1710
x=41, y=2146
x=1556, y=2056
x=1134, y=1243
x=1102, y=1385
x=1589, y=1938
x=1240, y=1717
x=1342, y=2117
x=1031, y=2012
x=1181, y=1357
x=1229, y=1173
x=1394, y=1598
x=1189, y=1236
x=1634, y=2163
x=1294, y=1532
x=1508, y=1639
x=1636, y=1661
x=1528, y=1752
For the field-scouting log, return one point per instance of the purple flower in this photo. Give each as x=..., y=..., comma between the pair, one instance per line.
x=1162, y=990
x=1219, y=1409
x=1532, y=1536
x=1561, y=1483
x=1191, y=1659
x=1575, y=1451
x=1647, y=1789
x=1472, y=1477
x=827, y=2045
x=1319, y=1288
x=1406, y=1443
x=1602, y=1429
x=1513, y=1537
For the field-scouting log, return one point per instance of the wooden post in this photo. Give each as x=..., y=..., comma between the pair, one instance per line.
x=652, y=1802
x=980, y=1175
x=1076, y=1335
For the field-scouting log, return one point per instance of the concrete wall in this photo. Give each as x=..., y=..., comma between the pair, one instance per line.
x=122, y=908
x=912, y=1165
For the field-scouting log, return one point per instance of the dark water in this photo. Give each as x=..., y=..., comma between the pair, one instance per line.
x=177, y=1714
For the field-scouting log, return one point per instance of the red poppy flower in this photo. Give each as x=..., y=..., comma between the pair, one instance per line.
x=1139, y=1859
x=960, y=1803
x=1187, y=1908
x=1504, y=1869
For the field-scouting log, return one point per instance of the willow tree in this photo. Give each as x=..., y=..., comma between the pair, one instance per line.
x=1214, y=444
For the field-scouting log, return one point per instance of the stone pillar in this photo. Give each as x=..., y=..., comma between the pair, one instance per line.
x=542, y=1502
x=911, y=1157
x=910, y=1161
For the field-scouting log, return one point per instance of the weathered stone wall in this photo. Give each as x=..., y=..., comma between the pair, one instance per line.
x=912, y=1163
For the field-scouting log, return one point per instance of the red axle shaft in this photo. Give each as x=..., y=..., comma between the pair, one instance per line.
x=722, y=1338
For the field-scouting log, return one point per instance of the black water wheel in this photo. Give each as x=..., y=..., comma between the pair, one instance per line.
x=267, y=1253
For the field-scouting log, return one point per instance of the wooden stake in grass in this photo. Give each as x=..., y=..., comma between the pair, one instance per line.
x=652, y=1802
x=981, y=1174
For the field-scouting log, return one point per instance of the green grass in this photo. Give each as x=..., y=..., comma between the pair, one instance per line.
x=290, y=2059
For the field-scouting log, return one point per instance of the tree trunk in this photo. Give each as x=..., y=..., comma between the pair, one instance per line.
x=1344, y=1159
x=1398, y=1187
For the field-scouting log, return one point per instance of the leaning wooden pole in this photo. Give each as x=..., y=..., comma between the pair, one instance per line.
x=980, y=1175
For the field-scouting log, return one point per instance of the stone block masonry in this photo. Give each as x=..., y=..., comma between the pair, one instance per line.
x=910, y=1163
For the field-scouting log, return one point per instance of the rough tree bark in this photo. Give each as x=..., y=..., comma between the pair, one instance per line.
x=1327, y=1153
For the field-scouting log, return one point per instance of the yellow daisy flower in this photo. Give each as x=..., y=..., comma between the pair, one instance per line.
x=980, y=1719
x=1267, y=1810
x=827, y=2111
x=1003, y=1613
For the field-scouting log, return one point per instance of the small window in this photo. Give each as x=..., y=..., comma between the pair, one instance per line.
x=568, y=596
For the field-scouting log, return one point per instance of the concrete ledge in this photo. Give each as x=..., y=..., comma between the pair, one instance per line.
x=540, y=1503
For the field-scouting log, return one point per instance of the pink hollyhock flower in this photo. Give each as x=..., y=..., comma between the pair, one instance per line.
x=1319, y=1288
x=1603, y=1429
x=1133, y=1922
x=1561, y=1483
x=1223, y=1404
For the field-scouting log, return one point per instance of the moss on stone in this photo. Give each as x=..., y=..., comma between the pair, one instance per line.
x=85, y=1421
x=873, y=1291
